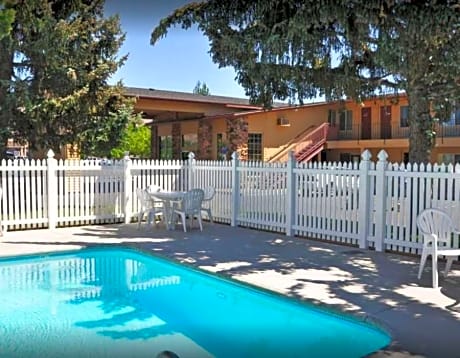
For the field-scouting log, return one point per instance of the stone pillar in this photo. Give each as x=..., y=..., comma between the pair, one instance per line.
x=204, y=139
x=154, y=142
x=176, y=133
x=237, y=136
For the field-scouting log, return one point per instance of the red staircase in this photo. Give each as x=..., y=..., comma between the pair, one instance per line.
x=305, y=145
x=313, y=145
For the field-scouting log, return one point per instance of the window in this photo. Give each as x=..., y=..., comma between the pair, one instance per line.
x=355, y=158
x=454, y=118
x=449, y=158
x=406, y=157
x=404, y=116
x=345, y=157
x=331, y=118
x=456, y=115
x=221, y=148
x=166, y=147
x=345, y=120
x=190, y=142
x=255, y=146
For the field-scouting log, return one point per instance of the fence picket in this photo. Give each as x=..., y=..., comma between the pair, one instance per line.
x=327, y=201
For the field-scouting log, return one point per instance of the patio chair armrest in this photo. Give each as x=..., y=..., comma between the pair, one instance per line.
x=176, y=204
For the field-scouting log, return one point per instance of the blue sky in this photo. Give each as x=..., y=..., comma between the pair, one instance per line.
x=176, y=62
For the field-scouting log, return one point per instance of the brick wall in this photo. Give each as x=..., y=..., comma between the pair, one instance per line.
x=237, y=135
x=204, y=139
x=176, y=133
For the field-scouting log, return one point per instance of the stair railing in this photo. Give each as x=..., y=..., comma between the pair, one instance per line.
x=318, y=134
x=283, y=152
x=318, y=138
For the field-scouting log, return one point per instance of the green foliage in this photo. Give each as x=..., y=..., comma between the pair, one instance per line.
x=166, y=148
x=201, y=88
x=108, y=133
x=296, y=49
x=53, y=76
x=135, y=140
x=6, y=19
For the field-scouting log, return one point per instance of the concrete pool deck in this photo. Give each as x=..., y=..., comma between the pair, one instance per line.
x=424, y=322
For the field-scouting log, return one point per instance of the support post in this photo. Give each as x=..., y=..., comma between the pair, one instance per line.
x=380, y=200
x=128, y=185
x=235, y=189
x=52, y=193
x=290, y=193
x=191, y=170
x=364, y=199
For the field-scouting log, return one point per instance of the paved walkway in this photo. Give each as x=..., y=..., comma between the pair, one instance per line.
x=424, y=322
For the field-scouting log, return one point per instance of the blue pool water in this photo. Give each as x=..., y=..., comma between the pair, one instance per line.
x=122, y=303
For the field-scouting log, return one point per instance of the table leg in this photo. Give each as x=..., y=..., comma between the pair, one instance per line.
x=167, y=213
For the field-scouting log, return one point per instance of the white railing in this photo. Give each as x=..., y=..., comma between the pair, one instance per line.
x=370, y=204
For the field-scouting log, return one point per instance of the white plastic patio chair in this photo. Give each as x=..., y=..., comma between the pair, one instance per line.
x=190, y=206
x=156, y=203
x=437, y=228
x=154, y=188
x=209, y=193
x=148, y=206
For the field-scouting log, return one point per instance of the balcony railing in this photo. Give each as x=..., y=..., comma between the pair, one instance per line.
x=360, y=132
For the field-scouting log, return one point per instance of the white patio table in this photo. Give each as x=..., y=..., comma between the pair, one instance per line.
x=169, y=199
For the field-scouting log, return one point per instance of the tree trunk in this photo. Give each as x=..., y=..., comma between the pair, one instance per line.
x=421, y=127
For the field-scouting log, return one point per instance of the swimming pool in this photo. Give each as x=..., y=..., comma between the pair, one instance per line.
x=116, y=302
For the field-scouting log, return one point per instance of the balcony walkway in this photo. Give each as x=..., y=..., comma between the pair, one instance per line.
x=423, y=320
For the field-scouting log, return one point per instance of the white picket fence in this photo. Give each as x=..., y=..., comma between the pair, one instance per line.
x=370, y=204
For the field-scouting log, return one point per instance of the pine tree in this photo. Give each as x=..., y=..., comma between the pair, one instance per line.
x=201, y=88
x=6, y=19
x=297, y=49
x=53, y=76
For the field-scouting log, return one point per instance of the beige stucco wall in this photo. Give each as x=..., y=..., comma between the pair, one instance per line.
x=276, y=137
x=395, y=147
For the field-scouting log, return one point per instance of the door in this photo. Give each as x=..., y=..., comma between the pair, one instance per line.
x=385, y=122
x=366, y=123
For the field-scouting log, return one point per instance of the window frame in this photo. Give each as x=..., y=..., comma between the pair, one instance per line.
x=332, y=117
x=255, y=154
x=189, y=142
x=165, y=150
x=345, y=120
x=454, y=116
x=221, y=148
x=449, y=158
x=404, y=116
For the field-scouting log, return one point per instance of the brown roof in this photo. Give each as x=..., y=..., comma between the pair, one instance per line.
x=192, y=97
x=285, y=107
x=189, y=97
